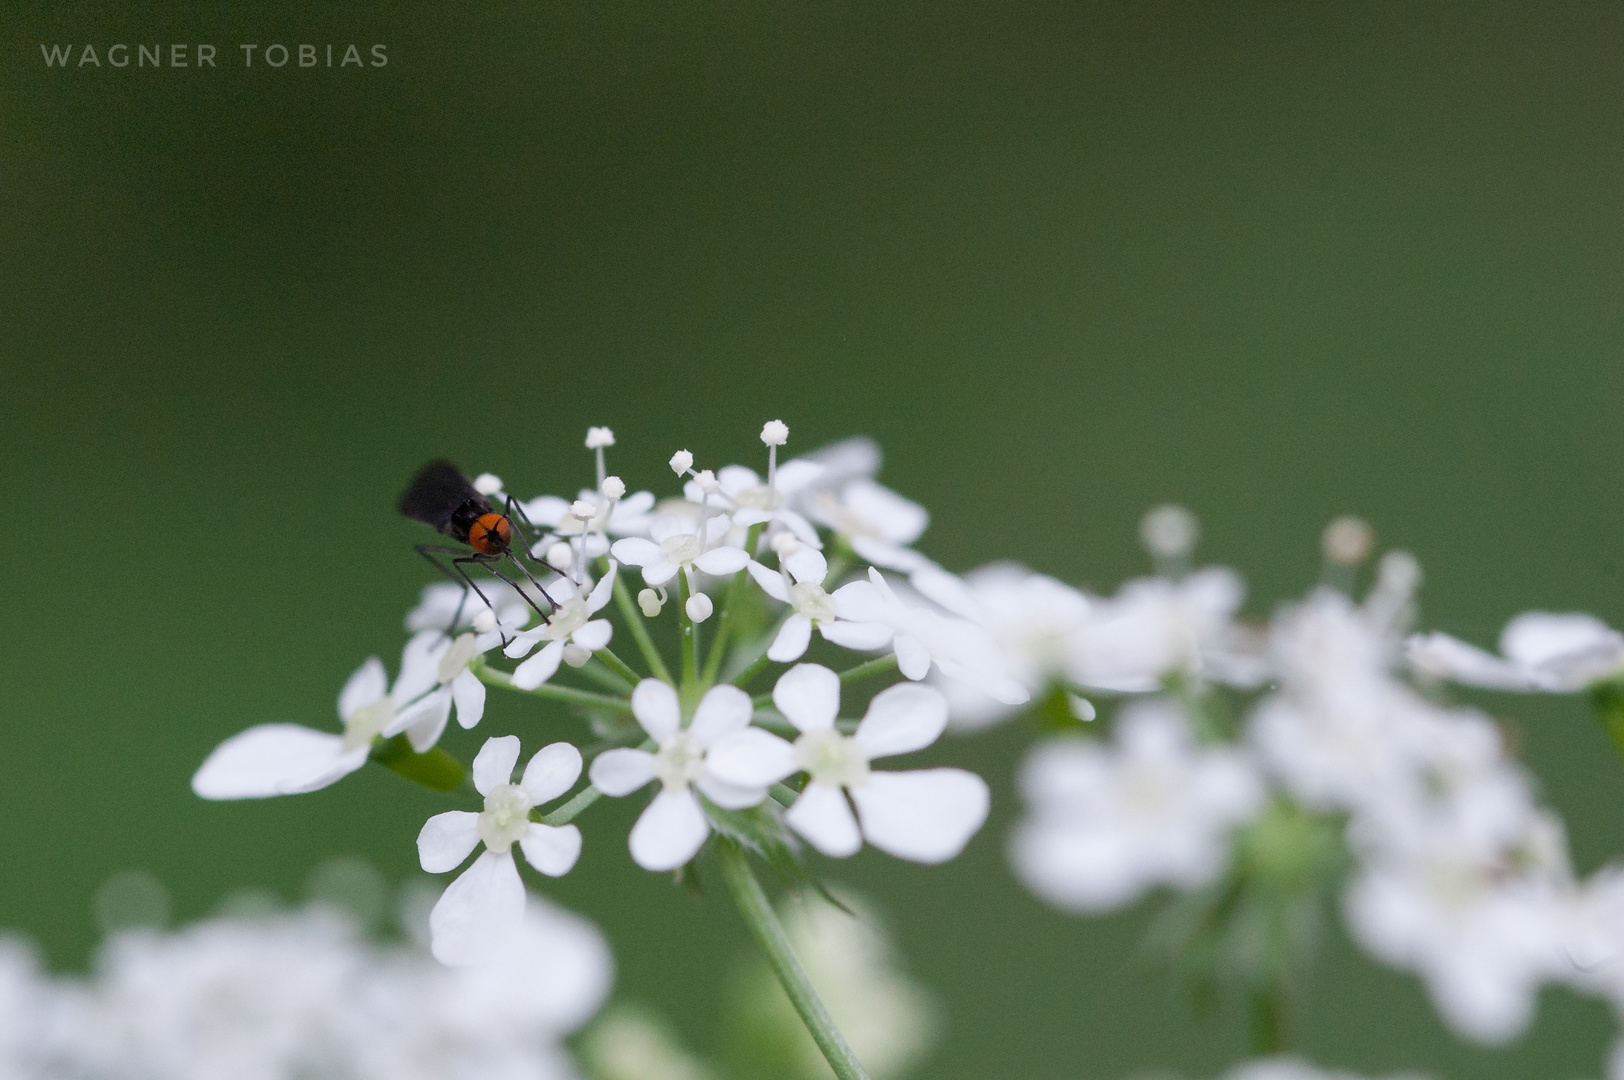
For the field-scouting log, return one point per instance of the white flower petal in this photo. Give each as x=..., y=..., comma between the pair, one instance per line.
x=622, y=771
x=540, y=667
x=369, y=683
x=807, y=564
x=860, y=601
x=794, y=475
x=447, y=839
x=722, y=561
x=902, y=719
x=549, y=510
x=723, y=710
x=913, y=659
x=771, y=581
x=655, y=705
x=736, y=478
x=823, y=818
x=552, y=849
x=804, y=530
x=658, y=573
x=926, y=816
x=809, y=696
x=425, y=725
x=730, y=796
x=637, y=551
x=598, y=598
x=793, y=638
x=522, y=643
x=469, y=695
x=1448, y=657
x=863, y=636
x=670, y=831
x=275, y=759
x=552, y=771
x=594, y=635
x=419, y=665
x=751, y=758
x=493, y=765
x=479, y=913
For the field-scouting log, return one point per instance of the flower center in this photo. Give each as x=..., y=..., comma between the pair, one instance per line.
x=680, y=549
x=810, y=600
x=832, y=758
x=680, y=761
x=758, y=497
x=570, y=617
x=455, y=660
x=368, y=722
x=505, y=818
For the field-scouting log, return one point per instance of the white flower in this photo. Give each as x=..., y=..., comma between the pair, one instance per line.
x=1155, y=627
x=287, y=759
x=630, y=516
x=436, y=667
x=672, y=828
x=1106, y=823
x=752, y=501
x=677, y=542
x=925, y=815
x=570, y=623
x=922, y=636
x=443, y=600
x=484, y=905
x=811, y=606
x=875, y=521
x=1557, y=653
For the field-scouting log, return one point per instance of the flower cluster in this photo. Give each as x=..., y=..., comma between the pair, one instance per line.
x=801, y=548
x=303, y=994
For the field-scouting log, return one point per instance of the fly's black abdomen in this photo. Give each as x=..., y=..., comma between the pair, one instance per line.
x=441, y=496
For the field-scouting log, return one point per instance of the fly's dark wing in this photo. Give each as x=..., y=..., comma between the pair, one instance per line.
x=436, y=493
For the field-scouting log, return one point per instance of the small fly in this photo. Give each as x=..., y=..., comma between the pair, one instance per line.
x=441, y=496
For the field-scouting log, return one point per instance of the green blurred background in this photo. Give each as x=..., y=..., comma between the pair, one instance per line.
x=1274, y=261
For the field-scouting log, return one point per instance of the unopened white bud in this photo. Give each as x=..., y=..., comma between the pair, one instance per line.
x=1169, y=532
x=1082, y=708
x=487, y=483
x=699, y=607
x=785, y=543
x=1398, y=573
x=775, y=433
x=485, y=621
x=649, y=601
x=576, y=655
x=561, y=556
x=599, y=437
x=613, y=488
x=707, y=482
x=681, y=462
x=583, y=509
x=1347, y=540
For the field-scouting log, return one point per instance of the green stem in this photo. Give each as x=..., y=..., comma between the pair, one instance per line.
x=568, y=812
x=743, y=678
x=619, y=666
x=492, y=677
x=769, y=934
x=724, y=624
x=690, y=637
x=634, y=621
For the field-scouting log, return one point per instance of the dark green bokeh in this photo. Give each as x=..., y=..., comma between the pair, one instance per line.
x=1063, y=261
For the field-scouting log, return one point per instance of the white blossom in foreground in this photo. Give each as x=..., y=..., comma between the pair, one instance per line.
x=810, y=606
x=676, y=542
x=1555, y=653
x=287, y=759
x=480, y=910
x=435, y=669
x=1105, y=823
x=925, y=815
x=923, y=636
x=570, y=625
x=673, y=827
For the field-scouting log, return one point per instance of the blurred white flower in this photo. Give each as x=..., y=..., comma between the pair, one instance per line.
x=434, y=671
x=805, y=568
x=1105, y=823
x=631, y=515
x=1540, y=651
x=673, y=827
x=875, y=521
x=1156, y=627
x=925, y=815
x=752, y=501
x=478, y=914
x=443, y=601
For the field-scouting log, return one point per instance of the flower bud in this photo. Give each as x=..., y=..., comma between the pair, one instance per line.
x=649, y=601
x=681, y=462
x=487, y=483
x=560, y=556
x=1169, y=532
x=599, y=437
x=1347, y=541
x=775, y=433
x=707, y=482
x=485, y=622
x=613, y=488
x=699, y=607
x=583, y=509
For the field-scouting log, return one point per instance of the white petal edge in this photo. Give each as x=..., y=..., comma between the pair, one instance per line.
x=722, y=561
x=822, y=817
x=479, y=913
x=621, y=771
x=809, y=696
x=493, y=765
x=670, y=831
x=925, y=816
x=771, y=581
x=551, y=849
x=751, y=758
x=447, y=839
x=552, y=771
x=539, y=668
x=655, y=705
x=275, y=759
x=468, y=693
x=793, y=638
x=369, y=683
x=636, y=551
x=902, y=719
x=729, y=796
x=722, y=711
